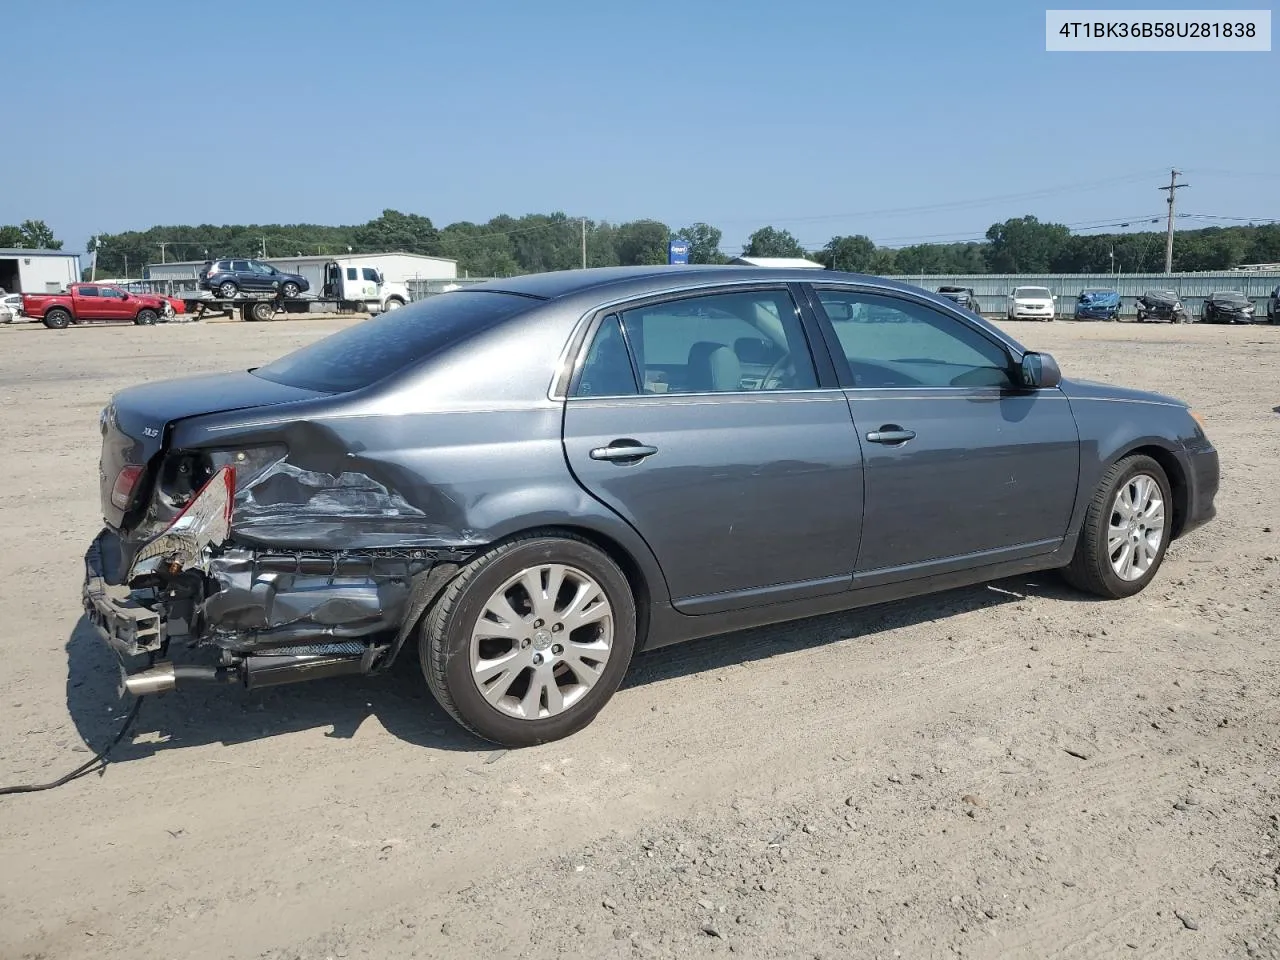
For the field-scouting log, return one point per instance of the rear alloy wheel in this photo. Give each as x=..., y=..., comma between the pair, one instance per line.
x=57, y=319
x=289, y=291
x=227, y=290
x=1126, y=530
x=146, y=318
x=262, y=311
x=530, y=640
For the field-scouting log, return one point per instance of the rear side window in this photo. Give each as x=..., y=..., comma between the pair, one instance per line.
x=351, y=273
x=371, y=351
x=223, y=265
x=87, y=291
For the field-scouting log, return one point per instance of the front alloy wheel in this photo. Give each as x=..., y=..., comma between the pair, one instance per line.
x=530, y=639
x=1126, y=530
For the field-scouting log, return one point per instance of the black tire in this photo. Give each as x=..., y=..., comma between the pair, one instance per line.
x=289, y=290
x=146, y=317
x=445, y=636
x=1090, y=569
x=227, y=289
x=395, y=303
x=262, y=311
x=57, y=319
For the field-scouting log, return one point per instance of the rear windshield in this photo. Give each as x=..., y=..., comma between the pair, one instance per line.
x=373, y=350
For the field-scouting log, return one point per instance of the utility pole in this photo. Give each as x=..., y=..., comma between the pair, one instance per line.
x=1173, y=187
x=162, y=244
x=584, y=243
x=264, y=248
x=97, y=245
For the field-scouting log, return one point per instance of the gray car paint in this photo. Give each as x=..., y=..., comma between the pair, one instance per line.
x=462, y=459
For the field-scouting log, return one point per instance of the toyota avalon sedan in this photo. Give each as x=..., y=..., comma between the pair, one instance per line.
x=532, y=479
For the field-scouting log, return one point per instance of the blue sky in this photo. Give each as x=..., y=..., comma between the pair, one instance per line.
x=902, y=120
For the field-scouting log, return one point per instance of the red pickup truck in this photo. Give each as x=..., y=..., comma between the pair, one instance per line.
x=96, y=303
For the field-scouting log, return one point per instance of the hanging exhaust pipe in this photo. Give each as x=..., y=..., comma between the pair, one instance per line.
x=165, y=676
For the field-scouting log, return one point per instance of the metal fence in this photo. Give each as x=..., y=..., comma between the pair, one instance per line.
x=993, y=289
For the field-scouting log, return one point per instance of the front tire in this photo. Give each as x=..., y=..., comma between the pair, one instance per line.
x=1126, y=531
x=289, y=291
x=530, y=640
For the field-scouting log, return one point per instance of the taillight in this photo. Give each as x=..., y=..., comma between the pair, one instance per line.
x=122, y=492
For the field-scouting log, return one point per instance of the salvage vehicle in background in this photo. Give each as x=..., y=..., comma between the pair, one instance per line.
x=533, y=478
x=1227, y=306
x=1098, y=304
x=1032, y=303
x=13, y=303
x=95, y=303
x=963, y=296
x=1162, y=305
x=230, y=277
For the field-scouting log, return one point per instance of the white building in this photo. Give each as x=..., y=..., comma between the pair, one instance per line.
x=396, y=267
x=37, y=271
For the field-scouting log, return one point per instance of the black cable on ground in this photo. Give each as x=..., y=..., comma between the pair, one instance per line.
x=86, y=767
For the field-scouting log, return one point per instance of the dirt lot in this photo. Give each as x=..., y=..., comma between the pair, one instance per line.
x=1004, y=771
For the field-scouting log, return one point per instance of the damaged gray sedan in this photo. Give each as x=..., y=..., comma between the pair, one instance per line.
x=532, y=479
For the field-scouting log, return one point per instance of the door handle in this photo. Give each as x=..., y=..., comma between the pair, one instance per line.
x=623, y=451
x=891, y=433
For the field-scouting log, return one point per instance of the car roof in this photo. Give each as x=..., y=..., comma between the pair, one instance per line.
x=639, y=280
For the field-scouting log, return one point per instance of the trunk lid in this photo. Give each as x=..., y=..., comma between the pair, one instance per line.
x=135, y=426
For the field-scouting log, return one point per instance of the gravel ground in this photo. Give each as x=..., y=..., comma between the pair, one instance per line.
x=1003, y=771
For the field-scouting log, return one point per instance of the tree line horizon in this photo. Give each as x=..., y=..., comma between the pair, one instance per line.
x=534, y=243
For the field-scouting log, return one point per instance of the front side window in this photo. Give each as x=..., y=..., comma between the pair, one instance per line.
x=110, y=294
x=260, y=268
x=717, y=343
x=890, y=342
x=370, y=274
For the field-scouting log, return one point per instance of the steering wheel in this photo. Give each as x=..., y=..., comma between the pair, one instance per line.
x=774, y=370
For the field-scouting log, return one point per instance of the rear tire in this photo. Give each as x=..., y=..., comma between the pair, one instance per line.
x=145, y=318
x=451, y=653
x=57, y=319
x=393, y=304
x=1107, y=537
x=262, y=311
x=228, y=290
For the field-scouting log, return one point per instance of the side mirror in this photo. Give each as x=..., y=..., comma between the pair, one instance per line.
x=1040, y=371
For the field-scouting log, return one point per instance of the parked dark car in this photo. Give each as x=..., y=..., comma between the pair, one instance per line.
x=534, y=478
x=1098, y=304
x=1162, y=305
x=963, y=296
x=230, y=277
x=1227, y=306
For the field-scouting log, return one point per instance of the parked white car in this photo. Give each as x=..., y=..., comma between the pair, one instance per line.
x=1032, y=303
x=13, y=303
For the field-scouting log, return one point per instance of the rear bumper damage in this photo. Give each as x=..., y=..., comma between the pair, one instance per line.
x=264, y=616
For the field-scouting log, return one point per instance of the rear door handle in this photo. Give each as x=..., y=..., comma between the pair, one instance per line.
x=623, y=451
x=891, y=433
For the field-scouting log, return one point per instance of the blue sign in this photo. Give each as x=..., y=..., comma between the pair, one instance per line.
x=678, y=251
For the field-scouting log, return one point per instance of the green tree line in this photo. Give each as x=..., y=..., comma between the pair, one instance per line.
x=538, y=242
